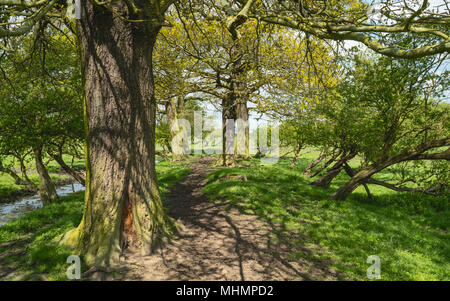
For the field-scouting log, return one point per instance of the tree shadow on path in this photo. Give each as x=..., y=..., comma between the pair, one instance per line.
x=218, y=242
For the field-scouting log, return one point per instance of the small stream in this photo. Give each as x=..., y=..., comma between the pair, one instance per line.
x=20, y=207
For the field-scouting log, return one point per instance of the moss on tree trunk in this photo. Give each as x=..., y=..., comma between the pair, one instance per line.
x=123, y=207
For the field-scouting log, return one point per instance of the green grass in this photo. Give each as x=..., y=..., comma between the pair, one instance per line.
x=10, y=191
x=35, y=235
x=171, y=172
x=408, y=231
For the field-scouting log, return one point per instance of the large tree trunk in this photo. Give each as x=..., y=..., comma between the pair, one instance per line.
x=47, y=190
x=228, y=128
x=174, y=128
x=234, y=106
x=351, y=173
x=243, y=147
x=123, y=208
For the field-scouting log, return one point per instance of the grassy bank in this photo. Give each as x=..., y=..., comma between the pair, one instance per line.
x=408, y=231
x=28, y=245
x=9, y=191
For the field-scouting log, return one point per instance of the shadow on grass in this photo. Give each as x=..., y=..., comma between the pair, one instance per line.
x=220, y=243
x=408, y=231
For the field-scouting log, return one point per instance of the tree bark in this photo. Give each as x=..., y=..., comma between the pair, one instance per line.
x=297, y=152
x=228, y=113
x=411, y=154
x=47, y=190
x=123, y=208
x=172, y=120
x=234, y=105
x=243, y=129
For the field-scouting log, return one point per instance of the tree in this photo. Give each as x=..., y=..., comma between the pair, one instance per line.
x=222, y=69
x=256, y=63
x=123, y=206
x=397, y=114
x=174, y=70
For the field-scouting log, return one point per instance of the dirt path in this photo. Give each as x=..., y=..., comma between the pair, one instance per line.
x=217, y=243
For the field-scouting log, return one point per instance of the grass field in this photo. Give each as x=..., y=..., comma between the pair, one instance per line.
x=28, y=245
x=408, y=231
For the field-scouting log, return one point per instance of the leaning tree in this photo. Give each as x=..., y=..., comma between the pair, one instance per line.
x=399, y=117
x=122, y=203
x=40, y=105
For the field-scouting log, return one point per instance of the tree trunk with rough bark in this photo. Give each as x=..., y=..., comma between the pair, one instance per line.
x=228, y=128
x=243, y=147
x=123, y=207
x=47, y=190
x=174, y=128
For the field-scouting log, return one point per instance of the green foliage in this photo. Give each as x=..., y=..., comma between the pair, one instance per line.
x=40, y=94
x=40, y=231
x=40, y=99
x=10, y=191
x=385, y=106
x=382, y=109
